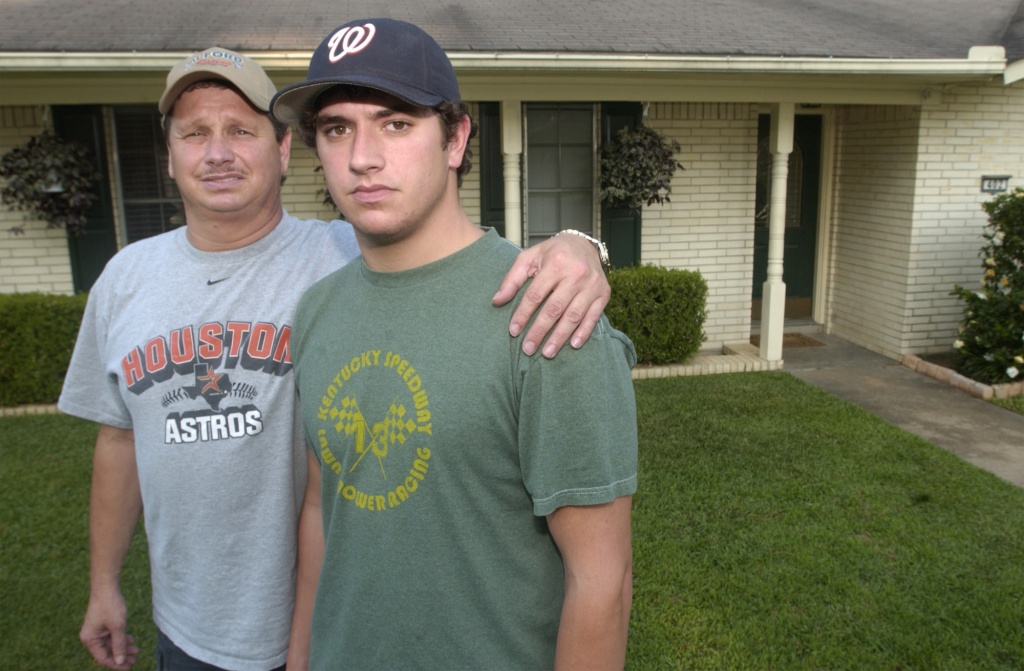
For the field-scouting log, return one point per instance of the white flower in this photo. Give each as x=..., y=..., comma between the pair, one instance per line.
x=998, y=237
x=1012, y=372
x=958, y=344
x=990, y=261
x=981, y=295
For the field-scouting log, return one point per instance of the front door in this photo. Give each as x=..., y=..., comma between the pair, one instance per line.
x=801, y=214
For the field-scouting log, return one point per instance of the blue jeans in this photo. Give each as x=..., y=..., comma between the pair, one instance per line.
x=170, y=657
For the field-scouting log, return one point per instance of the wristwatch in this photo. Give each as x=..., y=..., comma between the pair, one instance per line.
x=602, y=249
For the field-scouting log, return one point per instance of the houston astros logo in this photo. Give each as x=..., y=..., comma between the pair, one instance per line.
x=378, y=463
x=352, y=39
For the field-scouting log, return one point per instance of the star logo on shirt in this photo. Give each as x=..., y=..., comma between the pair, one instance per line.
x=212, y=380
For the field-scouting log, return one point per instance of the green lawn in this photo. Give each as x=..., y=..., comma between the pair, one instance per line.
x=1014, y=403
x=776, y=528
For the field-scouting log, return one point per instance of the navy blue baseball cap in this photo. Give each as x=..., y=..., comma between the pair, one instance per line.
x=383, y=54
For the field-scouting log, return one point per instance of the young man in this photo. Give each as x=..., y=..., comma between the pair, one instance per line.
x=468, y=507
x=184, y=359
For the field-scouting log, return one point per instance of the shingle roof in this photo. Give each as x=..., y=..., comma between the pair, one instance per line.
x=908, y=29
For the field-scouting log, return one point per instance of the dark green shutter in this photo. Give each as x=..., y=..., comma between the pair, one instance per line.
x=93, y=247
x=620, y=226
x=492, y=172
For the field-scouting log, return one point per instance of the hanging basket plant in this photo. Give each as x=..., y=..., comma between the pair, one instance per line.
x=52, y=179
x=637, y=168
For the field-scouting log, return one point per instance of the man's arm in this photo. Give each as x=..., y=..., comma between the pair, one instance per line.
x=114, y=508
x=569, y=280
x=311, y=557
x=596, y=548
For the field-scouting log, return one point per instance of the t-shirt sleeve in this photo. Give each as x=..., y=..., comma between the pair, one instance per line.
x=577, y=424
x=90, y=391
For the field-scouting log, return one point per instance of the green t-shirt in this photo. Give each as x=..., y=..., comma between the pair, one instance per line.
x=442, y=448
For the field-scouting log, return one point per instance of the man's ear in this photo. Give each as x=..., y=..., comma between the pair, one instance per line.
x=286, y=150
x=459, y=141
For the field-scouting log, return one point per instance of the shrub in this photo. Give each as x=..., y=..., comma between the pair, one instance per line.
x=661, y=310
x=991, y=342
x=37, y=336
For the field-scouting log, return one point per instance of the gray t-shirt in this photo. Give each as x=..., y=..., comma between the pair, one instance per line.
x=191, y=350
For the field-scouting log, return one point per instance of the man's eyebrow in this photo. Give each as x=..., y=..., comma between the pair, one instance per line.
x=383, y=113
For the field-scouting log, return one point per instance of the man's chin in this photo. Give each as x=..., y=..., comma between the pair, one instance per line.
x=380, y=236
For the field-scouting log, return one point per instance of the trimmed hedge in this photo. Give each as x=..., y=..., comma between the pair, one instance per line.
x=661, y=310
x=37, y=336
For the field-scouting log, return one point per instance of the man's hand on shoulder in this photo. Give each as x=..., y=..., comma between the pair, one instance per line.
x=569, y=289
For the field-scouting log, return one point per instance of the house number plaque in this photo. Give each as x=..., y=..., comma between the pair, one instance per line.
x=995, y=183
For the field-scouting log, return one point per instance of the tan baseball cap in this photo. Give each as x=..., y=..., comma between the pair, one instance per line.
x=217, y=63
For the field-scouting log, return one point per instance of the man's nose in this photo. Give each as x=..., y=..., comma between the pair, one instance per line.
x=366, y=151
x=218, y=149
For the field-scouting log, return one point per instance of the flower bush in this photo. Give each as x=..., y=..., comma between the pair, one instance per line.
x=991, y=342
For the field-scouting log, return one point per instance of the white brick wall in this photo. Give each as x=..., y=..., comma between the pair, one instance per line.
x=872, y=230
x=709, y=224
x=978, y=130
x=38, y=259
x=908, y=220
x=301, y=191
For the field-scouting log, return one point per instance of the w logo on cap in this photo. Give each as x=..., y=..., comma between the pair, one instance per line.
x=408, y=64
x=351, y=39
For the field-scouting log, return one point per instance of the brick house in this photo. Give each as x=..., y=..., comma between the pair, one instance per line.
x=836, y=155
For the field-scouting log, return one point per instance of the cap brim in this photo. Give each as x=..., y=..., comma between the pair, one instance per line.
x=291, y=102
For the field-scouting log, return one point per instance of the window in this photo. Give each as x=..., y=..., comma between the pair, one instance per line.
x=559, y=170
x=149, y=196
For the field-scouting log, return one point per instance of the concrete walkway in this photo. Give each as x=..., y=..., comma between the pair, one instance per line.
x=976, y=430
x=980, y=432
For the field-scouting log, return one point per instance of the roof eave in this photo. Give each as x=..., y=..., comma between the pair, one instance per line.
x=981, y=62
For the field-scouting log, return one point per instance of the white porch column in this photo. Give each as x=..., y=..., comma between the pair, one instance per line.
x=773, y=296
x=512, y=160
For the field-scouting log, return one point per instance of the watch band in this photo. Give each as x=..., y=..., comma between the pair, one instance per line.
x=602, y=249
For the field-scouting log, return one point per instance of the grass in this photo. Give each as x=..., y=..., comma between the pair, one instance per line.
x=1013, y=404
x=776, y=528
x=45, y=468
